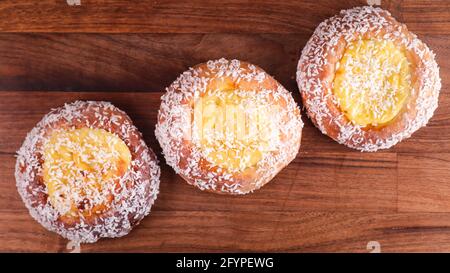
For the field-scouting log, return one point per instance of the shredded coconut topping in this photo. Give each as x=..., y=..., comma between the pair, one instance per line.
x=372, y=82
x=320, y=59
x=191, y=158
x=123, y=203
x=81, y=169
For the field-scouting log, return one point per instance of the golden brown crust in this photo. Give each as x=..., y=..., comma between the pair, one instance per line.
x=138, y=187
x=184, y=155
x=316, y=71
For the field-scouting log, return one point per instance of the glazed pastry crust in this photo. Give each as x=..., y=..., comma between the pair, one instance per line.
x=316, y=72
x=139, y=185
x=186, y=157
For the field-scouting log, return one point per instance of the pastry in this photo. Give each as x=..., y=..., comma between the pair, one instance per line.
x=228, y=127
x=366, y=81
x=85, y=172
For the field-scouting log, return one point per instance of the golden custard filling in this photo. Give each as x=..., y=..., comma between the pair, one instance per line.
x=234, y=128
x=372, y=82
x=82, y=168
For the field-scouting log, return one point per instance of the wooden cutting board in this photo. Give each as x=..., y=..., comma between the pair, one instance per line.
x=330, y=198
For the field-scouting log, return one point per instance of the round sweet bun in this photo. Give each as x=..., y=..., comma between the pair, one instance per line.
x=226, y=126
x=366, y=81
x=85, y=172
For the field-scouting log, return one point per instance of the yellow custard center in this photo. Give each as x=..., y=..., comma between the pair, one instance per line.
x=372, y=82
x=234, y=128
x=82, y=168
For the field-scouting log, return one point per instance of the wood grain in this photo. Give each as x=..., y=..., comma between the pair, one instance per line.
x=204, y=16
x=134, y=62
x=216, y=231
x=424, y=182
x=330, y=198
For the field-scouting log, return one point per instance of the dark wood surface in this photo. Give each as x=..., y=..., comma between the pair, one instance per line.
x=330, y=198
x=205, y=16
